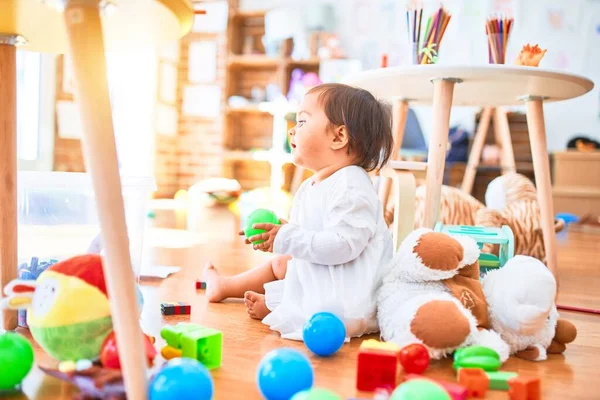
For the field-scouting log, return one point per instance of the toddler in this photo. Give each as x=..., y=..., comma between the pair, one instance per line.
x=332, y=250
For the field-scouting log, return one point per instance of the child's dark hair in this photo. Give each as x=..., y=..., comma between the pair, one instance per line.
x=368, y=121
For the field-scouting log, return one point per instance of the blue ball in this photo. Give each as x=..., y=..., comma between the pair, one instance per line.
x=282, y=373
x=324, y=334
x=182, y=378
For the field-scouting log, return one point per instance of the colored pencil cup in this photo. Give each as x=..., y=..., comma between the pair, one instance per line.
x=497, y=45
x=413, y=57
x=428, y=54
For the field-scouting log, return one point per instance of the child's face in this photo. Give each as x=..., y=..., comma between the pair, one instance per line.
x=310, y=147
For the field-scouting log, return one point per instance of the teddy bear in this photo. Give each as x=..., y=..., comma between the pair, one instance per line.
x=521, y=309
x=431, y=294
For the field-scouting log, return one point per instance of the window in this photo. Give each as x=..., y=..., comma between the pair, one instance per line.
x=35, y=110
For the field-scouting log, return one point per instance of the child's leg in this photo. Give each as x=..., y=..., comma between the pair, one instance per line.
x=219, y=287
x=256, y=305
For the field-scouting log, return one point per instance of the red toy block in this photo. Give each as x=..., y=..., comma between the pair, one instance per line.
x=456, y=391
x=376, y=369
x=524, y=388
x=200, y=285
x=475, y=380
x=175, y=308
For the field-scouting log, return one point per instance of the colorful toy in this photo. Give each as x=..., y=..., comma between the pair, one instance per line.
x=501, y=236
x=316, y=394
x=200, y=285
x=477, y=357
x=260, y=216
x=16, y=354
x=175, y=308
x=475, y=380
x=182, y=378
x=377, y=365
x=499, y=379
x=524, y=388
x=521, y=304
x=420, y=389
x=109, y=355
x=68, y=311
x=284, y=372
x=414, y=358
x=456, y=391
x=193, y=341
x=324, y=334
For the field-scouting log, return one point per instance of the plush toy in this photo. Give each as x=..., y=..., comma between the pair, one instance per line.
x=521, y=307
x=68, y=309
x=431, y=294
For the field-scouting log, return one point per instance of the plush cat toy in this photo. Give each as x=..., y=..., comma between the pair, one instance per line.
x=68, y=309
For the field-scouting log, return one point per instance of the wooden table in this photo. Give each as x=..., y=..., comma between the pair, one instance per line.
x=484, y=85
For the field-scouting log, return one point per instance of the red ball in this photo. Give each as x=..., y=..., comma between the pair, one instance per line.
x=109, y=355
x=414, y=358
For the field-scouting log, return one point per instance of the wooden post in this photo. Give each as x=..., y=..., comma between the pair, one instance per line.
x=541, y=168
x=86, y=45
x=476, y=149
x=443, y=90
x=502, y=130
x=8, y=174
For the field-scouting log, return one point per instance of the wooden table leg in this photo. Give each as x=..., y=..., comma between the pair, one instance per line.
x=399, y=115
x=476, y=149
x=443, y=91
x=404, y=204
x=541, y=168
x=8, y=174
x=86, y=45
x=502, y=130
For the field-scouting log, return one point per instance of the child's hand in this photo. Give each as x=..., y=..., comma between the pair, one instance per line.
x=268, y=236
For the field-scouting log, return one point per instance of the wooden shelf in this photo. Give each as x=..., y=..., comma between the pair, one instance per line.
x=247, y=109
x=256, y=155
x=253, y=60
x=312, y=62
x=242, y=14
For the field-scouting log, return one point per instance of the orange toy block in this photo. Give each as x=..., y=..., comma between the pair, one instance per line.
x=475, y=380
x=524, y=388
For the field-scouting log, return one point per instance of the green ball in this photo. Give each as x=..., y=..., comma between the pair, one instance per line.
x=316, y=394
x=16, y=354
x=420, y=389
x=259, y=216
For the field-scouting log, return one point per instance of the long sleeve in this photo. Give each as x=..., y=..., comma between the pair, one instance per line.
x=350, y=223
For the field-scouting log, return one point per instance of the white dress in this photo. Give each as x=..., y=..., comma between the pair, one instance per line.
x=340, y=243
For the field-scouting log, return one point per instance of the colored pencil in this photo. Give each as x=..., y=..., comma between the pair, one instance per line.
x=498, y=30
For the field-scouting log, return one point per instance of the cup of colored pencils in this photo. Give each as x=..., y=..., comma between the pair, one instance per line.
x=426, y=45
x=498, y=31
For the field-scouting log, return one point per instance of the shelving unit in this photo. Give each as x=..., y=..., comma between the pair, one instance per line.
x=254, y=134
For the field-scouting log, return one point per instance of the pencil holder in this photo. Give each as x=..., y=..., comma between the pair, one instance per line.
x=413, y=56
x=428, y=54
x=497, y=45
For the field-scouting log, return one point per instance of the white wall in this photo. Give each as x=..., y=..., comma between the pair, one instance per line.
x=369, y=28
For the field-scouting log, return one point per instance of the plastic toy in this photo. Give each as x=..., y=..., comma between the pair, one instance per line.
x=175, y=308
x=499, y=379
x=324, y=334
x=420, y=389
x=524, y=388
x=109, y=355
x=68, y=310
x=477, y=357
x=475, y=380
x=456, y=391
x=200, y=285
x=316, y=394
x=482, y=235
x=377, y=365
x=16, y=354
x=193, y=341
x=414, y=358
x=182, y=378
x=284, y=372
x=260, y=216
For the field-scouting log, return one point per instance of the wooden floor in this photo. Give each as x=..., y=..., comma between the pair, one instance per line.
x=572, y=375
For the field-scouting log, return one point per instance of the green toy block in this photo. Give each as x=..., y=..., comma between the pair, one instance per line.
x=499, y=379
x=197, y=342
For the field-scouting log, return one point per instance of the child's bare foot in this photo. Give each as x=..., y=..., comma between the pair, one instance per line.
x=214, y=284
x=255, y=305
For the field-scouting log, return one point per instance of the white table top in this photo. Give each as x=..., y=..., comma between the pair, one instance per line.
x=482, y=85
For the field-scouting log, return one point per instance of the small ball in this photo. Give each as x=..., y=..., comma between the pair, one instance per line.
x=259, y=216
x=282, y=373
x=324, y=334
x=316, y=394
x=16, y=354
x=182, y=378
x=414, y=358
x=420, y=389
